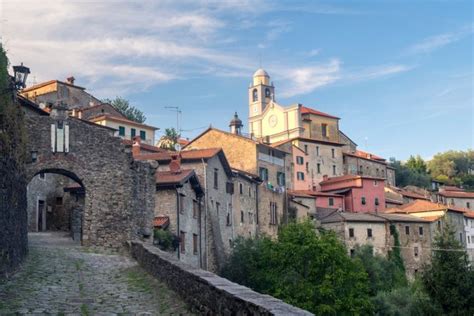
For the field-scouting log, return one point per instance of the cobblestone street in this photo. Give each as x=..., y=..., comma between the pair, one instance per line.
x=62, y=278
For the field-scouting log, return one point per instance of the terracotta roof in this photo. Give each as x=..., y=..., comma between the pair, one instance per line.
x=246, y=174
x=170, y=177
x=366, y=155
x=161, y=221
x=120, y=119
x=401, y=218
x=337, y=216
x=413, y=195
x=183, y=142
x=306, y=110
x=457, y=194
x=129, y=142
x=469, y=214
x=42, y=84
x=348, y=177
x=418, y=206
x=392, y=201
x=451, y=188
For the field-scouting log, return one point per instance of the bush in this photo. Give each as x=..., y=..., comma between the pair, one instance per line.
x=164, y=239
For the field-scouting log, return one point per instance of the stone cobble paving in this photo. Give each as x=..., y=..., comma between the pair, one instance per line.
x=61, y=278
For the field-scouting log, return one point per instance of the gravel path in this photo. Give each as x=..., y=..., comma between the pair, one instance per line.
x=62, y=278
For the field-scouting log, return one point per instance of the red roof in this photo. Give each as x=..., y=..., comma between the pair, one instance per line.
x=144, y=146
x=348, y=177
x=312, y=193
x=424, y=206
x=457, y=194
x=170, y=177
x=305, y=110
x=366, y=155
x=413, y=195
x=451, y=188
x=161, y=221
x=121, y=119
x=469, y=214
x=183, y=142
x=191, y=154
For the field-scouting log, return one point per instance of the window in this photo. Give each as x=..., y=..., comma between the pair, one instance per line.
x=241, y=216
x=216, y=179
x=351, y=232
x=306, y=149
x=263, y=173
x=439, y=225
x=333, y=153
x=416, y=251
x=307, y=167
x=121, y=131
x=218, y=205
x=229, y=187
x=299, y=160
x=195, y=244
x=250, y=191
x=376, y=183
x=267, y=93
x=363, y=200
x=281, y=179
x=317, y=150
x=241, y=188
x=333, y=170
x=59, y=201
x=468, y=205
x=273, y=213
x=361, y=171
x=468, y=239
x=250, y=215
x=324, y=130
x=182, y=241
x=407, y=230
x=255, y=95
x=133, y=132
x=300, y=176
x=34, y=156
x=143, y=135
x=195, y=209
x=460, y=237
x=181, y=203
x=377, y=172
x=331, y=201
x=383, y=173
x=420, y=230
x=377, y=201
x=318, y=167
x=369, y=232
x=228, y=219
x=352, y=253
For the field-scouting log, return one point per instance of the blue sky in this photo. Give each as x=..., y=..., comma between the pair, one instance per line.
x=399, y=74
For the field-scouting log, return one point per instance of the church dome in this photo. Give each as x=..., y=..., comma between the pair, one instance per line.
x=236, y=121
x=261, y=72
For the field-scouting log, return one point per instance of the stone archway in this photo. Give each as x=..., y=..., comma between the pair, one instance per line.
x=120, y=191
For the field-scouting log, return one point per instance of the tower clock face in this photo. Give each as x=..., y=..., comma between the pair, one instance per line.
x=272, y=120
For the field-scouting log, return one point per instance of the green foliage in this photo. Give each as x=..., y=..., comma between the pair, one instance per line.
x=416, y=164
x=453, y=167
x=303, y=268
x=163, y=238
x=395, y=255
x=413, y=175
x=384, y=274
x=170, y=139
x=123, y=106
x=449, y=280
x=12, y=130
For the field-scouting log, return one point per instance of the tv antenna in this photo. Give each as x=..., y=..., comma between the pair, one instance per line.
x=178, y=113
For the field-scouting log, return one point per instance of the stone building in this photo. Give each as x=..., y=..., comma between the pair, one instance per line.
x=312, y=160
x=272, y=165
x=215, y=175
x=178, y=198
x=245, y=204
x=357, y=229
x=358, y=162
x=118, y=201
x=50, y=92
x=415, y=240
x=361, y=193
x=437, y=214
x=453, y=196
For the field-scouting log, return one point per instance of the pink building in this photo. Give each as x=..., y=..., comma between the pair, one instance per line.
x=361, y=193
x=301, y=177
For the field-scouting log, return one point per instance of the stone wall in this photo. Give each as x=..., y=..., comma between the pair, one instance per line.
x=205, y=292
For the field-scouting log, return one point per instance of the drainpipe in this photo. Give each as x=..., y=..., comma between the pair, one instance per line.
x=177, y=221
x=200, y=231
x=206, y=210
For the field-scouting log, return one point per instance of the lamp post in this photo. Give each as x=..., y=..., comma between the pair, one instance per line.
x=20, y=73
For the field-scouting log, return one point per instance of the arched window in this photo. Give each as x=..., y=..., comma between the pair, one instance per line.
x=255, y=95
x=267, y=93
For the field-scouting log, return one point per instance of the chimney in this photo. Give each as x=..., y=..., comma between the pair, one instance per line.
x=175, y=164
x=70, y=80
x=136, y=144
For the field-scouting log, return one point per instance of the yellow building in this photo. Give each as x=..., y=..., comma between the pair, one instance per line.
x=272, y=122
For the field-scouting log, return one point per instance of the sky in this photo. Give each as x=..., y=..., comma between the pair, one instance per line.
x=399, y=74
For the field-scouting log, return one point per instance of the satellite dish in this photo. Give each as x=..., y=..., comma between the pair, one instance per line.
x=177, y=147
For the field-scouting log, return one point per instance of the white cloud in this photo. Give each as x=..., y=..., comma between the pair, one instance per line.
x=432, y=43
x=374, y=72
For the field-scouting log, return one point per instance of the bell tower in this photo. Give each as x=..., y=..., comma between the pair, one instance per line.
x=261, y=93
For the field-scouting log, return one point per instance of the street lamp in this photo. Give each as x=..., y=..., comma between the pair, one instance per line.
x=20, y=73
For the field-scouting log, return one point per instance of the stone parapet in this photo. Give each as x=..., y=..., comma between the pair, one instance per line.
x=206, y=292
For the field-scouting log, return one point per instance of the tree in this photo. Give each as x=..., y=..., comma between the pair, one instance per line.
x=449, y=280
x=407, y=176
x=123, y=106
x=416, y=164
x=453, y=167
x=169, y=140
x=304, y=268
